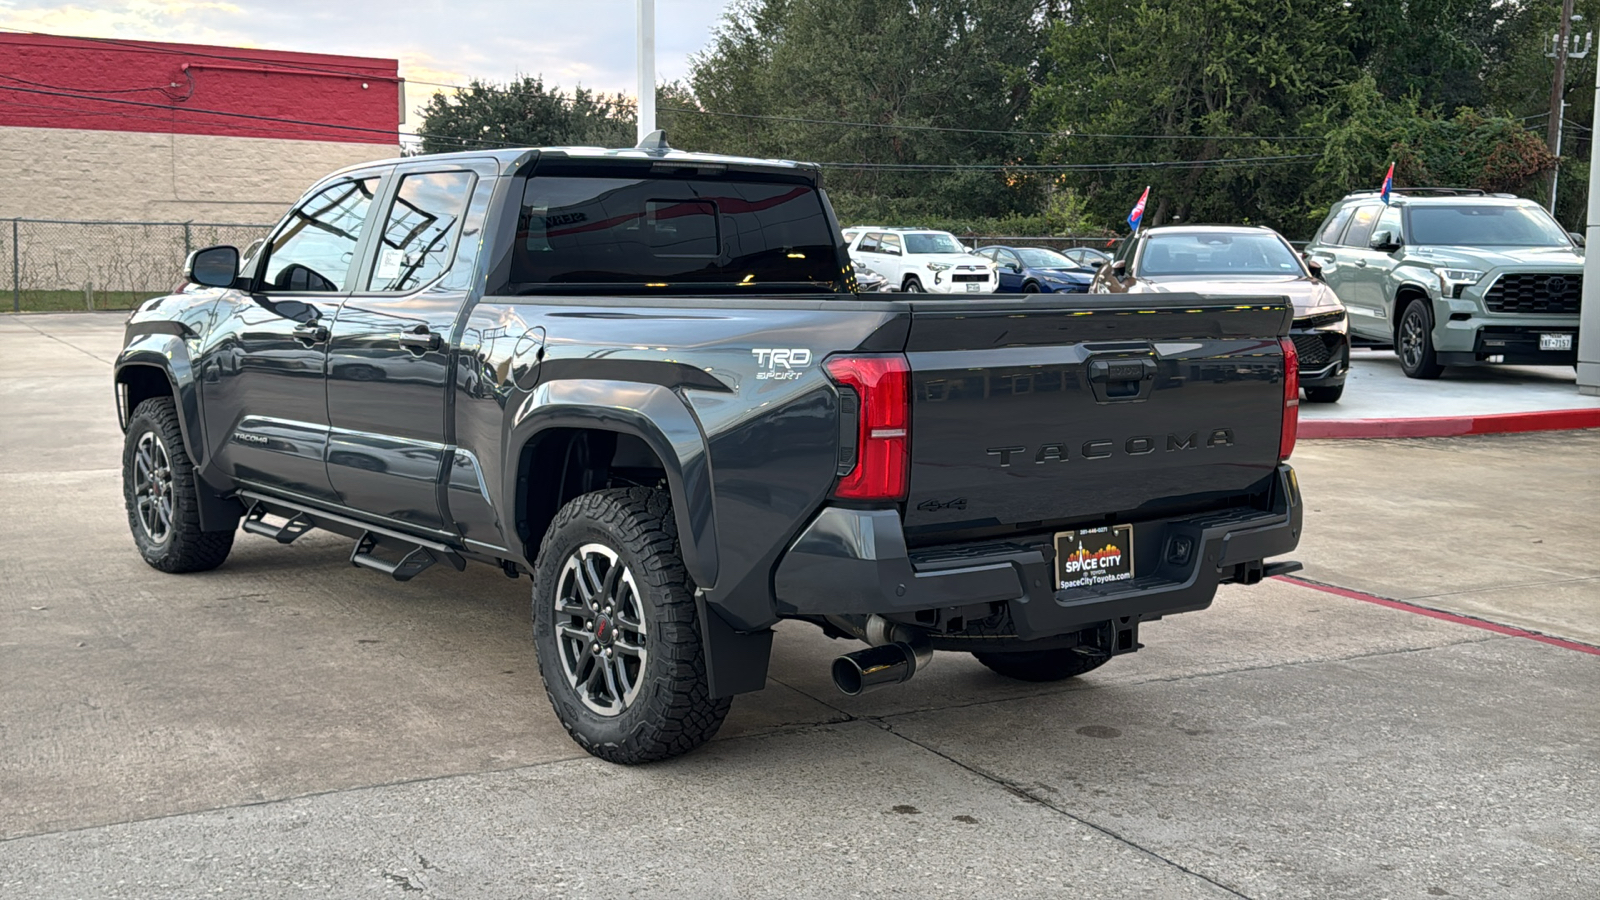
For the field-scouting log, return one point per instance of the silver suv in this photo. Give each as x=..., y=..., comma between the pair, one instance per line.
x=1453, y=277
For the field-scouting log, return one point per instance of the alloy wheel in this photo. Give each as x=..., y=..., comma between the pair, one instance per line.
x=152, y=487
x=1411, y=340
x=600, y=629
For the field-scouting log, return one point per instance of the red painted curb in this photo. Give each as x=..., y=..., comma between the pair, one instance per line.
x=1432, y=613
x=1450, y=426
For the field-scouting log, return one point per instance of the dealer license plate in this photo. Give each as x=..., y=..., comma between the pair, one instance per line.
x=1091, y=556
x=973, y=287
x=1555, y=342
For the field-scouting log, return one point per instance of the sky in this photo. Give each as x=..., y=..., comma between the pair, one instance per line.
x=588, y=42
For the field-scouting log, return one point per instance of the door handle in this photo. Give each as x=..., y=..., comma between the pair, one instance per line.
x=310, y=333
x=420, y=339
x=1360, y=264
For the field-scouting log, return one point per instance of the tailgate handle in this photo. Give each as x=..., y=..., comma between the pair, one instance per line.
x=1121, y=379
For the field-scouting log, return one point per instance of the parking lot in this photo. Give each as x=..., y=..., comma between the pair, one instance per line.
x=1417, y=714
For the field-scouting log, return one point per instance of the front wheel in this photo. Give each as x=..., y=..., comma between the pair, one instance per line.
x=615, y=626
x=1325, y=394
x=913, y=285
x=1414, y=342
x=162, y=498
x=1041, y=665
x=1030, y=288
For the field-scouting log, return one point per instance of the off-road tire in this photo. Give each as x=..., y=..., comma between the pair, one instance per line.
x=1325, y=394
x=185, y=547
x=673, y=711
x=1420, y=361
x=1040, y=665
x=913, y=285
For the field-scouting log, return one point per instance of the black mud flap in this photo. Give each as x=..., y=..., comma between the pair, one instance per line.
x=736, y=661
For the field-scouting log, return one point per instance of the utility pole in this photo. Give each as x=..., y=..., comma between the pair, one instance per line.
x=1558, y=103
x=1589, y=324
x=647, y=66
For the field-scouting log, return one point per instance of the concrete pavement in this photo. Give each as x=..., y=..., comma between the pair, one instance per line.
x=291, y=726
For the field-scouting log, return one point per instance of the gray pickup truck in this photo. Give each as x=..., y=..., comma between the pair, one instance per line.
x=644, y=378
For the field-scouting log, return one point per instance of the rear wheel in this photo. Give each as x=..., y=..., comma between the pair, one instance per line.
x=1414, y=342
x=159, y=490
x=615, y=625
x=913, y=285
x=1041, y=665
x=1325, y=394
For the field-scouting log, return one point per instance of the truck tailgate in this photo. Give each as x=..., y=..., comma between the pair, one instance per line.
x=1032, y=413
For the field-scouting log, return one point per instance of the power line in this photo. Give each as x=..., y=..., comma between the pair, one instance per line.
x=1084, y=167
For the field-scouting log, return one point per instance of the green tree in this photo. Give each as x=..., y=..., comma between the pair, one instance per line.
x=778, y=71
x=525, y=113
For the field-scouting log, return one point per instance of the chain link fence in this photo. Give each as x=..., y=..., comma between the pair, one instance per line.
x=60, y=265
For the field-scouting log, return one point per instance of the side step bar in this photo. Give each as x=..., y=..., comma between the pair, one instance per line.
x=418, y=553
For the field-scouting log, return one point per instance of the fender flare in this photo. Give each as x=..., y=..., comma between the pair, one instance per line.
x=1408, y=286
x=656, y=415
x=170, y=355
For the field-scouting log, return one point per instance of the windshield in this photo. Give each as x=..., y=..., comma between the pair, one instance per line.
x=1212, y=253
x=1484, y=225
x=1034, y=258
x=938, y=242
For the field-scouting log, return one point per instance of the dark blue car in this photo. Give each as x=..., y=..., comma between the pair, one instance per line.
x=1035, y=270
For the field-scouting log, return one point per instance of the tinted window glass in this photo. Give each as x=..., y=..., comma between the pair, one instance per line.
x=1212, y=253
x=1361, y=226
x=1330, y=233
x=420, y=233
x=869, y=244
x=1478, y=226
x=889, y=243
x=314, y=249
x=596, y=230
x=1390, y=222
x=933, y=243
x=1045, y=259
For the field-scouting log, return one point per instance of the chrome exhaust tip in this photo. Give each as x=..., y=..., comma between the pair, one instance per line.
x=866, y=670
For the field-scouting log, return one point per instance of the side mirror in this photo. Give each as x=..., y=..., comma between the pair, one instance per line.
x=213, y=266
x=1314, y=267
x=1576, y=238
x=1119, y=267
x=1013, y=267
x=1096, y=263
x=1383, y=242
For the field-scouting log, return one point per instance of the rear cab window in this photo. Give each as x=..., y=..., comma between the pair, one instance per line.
x=624, y=227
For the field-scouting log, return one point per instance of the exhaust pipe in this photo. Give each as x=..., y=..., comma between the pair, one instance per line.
x=901, y=652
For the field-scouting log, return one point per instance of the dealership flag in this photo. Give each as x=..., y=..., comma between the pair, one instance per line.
x=1388, y=183
x=1135, y=217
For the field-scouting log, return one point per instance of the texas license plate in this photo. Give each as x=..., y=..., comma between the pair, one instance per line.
x=1555, y=342
x=974, y=288
x=1091, y=556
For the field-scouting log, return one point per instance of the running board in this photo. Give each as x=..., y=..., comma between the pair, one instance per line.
x=418, y=553
x=255, y=523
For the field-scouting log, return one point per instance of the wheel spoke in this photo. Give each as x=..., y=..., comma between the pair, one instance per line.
x=611, y=681
x=621, y=680
x=596, y=584
x=568, y=608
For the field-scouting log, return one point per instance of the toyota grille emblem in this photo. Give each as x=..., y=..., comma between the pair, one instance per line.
x=1556, y=285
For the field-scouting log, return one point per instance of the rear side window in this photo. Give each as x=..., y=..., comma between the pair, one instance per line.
x=658, y=232
x=419, y=236
x=1361, y=225
x=1330, y=232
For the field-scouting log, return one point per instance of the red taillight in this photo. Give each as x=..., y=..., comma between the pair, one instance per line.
x=1291, y=399
x=880, y=467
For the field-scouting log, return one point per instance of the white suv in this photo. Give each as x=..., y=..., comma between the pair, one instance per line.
x=915, y=260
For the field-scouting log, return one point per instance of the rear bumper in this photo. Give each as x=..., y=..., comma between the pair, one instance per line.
x=855, y=562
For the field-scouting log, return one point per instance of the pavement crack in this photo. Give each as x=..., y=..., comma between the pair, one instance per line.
x=52, y=337
x=1030, y=795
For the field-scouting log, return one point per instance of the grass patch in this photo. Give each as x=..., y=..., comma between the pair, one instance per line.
x=73, y=301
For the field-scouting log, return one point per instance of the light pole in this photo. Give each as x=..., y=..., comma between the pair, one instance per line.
x=1589, y=323
x=647, y=67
